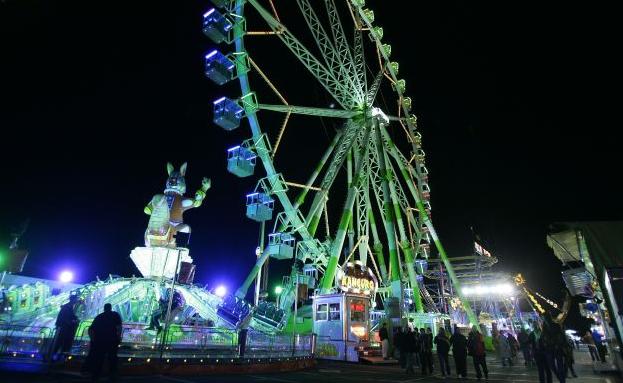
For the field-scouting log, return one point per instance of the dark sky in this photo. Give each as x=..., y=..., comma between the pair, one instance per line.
x=96, y=96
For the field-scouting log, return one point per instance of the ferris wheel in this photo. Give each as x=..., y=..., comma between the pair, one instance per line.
x=373, y=167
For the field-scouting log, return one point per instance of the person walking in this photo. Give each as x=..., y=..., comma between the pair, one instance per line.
x=554, y=340
x=524, y=345
x=443, y=348
x=539, y=353
x=66, y=325
x=569, y=359
x=504, y=349
x=459, y=352
x=590, y=343
x=384, y=336
x=513, y=344
x=408, y=349
x=426, y=352
x=601, y=349
x=476, y=348
x=105, y=333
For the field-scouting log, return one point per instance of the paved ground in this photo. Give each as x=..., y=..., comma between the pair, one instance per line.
x=337, y=372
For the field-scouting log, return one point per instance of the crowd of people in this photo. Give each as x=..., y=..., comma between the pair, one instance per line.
x=545, y=346
x=415, y=349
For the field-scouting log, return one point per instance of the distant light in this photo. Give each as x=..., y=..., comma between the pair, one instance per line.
x=278, y=290
x=66, y=276
x=219, y=100
x=359, y=331
x=220, y=291
x=500, y=290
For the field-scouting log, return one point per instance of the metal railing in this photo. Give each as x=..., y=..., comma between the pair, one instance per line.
x=176, y=342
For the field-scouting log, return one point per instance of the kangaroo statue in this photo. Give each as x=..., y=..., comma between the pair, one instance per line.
x=166, y=210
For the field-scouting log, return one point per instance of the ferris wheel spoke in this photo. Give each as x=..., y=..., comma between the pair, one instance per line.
x=310, y=111
x=351, y=129
x=331, y=55
x=405, y=243
x=338, y=242
x=325, y=77
x=361, y=212
x=387, y=210
x=344, y=51
x=359, y=59
x=374, y=88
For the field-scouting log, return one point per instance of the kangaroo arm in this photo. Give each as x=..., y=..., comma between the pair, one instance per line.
x=149, y=208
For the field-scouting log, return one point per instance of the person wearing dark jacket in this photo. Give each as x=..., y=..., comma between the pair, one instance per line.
x=554, y=340
x=105, y=334
x=524, y=344
x=399, y=345
x=569, y=359
x=459, y=352
x=476, y=348
x=426, y=352
x=409, y=345
x=443, y=349
x=66, y=325
x=539, y=354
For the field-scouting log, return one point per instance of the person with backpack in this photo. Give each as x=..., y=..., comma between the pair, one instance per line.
x=476, y=348
x=459, y=352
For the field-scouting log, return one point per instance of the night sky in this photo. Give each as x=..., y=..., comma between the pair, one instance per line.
x=96, y=97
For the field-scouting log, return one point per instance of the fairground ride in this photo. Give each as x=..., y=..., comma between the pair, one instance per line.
x=373, y=164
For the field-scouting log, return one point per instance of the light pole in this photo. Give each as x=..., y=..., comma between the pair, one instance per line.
x=168, y=319
x=263, y=270
x=278, y=291
x=296, y=303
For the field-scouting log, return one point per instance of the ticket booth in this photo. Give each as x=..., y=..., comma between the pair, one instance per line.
x=342, y=319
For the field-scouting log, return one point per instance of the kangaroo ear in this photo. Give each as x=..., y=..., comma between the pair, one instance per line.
x=183, y=169
x=170, y=168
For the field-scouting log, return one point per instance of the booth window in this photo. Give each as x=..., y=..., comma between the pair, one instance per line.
x=334, y=311
x=321, y=311
x=357, y=311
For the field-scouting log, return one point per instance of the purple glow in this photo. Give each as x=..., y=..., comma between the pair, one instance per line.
x=66, y=276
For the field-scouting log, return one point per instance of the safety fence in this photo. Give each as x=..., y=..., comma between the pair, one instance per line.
x=175, y=342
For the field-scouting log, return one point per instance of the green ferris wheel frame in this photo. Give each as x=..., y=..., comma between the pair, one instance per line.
x=363, y=145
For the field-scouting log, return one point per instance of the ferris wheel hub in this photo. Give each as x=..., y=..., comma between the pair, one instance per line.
x=379, y=115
